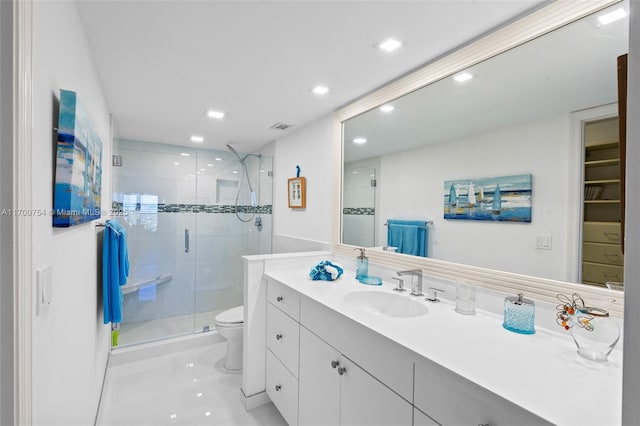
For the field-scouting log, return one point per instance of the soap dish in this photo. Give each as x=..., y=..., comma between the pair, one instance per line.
x=370, y=280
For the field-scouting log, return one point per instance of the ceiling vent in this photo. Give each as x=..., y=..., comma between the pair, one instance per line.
x=281, y=126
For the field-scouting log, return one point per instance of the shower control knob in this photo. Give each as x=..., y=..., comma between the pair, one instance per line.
x=342, y=370
x=278, y=336
x=278, y=387
x=334, y=364
x=279, y=298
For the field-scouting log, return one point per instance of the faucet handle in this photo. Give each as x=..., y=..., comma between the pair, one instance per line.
x=433, y=294
x=400, y=286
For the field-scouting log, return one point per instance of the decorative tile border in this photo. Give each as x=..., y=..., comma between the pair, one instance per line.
x=203, y=208
x=361, y=211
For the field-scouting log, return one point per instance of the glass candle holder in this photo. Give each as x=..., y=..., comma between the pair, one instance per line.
x=465, y=299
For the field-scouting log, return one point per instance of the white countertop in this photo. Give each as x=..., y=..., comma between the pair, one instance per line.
x=541, y=373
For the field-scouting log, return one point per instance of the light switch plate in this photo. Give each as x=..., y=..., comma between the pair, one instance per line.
x=44, y=288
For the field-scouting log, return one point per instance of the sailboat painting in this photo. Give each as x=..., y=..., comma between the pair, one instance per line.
x=501, y=199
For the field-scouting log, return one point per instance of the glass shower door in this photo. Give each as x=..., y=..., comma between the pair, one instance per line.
x=155, y=188
x=231, y=223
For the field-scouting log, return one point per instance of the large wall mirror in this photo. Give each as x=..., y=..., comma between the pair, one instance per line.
x=521, y=112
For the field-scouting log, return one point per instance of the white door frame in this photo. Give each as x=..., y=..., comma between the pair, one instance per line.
x=22, y=201
x=576, y=177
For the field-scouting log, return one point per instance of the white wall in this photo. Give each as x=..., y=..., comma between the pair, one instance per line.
x=70, y=343
x=310, y=147
x=631, y=365
x=540, y=148
x=6, y=183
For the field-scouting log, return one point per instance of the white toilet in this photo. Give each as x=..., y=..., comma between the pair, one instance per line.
x=230, y=324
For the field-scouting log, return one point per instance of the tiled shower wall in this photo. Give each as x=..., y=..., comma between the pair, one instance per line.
x=163, y=190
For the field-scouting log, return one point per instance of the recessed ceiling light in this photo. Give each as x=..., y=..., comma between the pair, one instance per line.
x=175, y=163
x=215, y=114
x=464, y=76
x=235, y=172
x=202, y=170
x=612, y=16
x=387, y=108
x=320, y=90
x=355, y=172
x=218, y=159
x=210, y=165
x=389, y=44
x=184, y=154
x=197, y=138
x=359, y=140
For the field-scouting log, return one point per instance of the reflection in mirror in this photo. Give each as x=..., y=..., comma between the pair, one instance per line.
x=517, y=113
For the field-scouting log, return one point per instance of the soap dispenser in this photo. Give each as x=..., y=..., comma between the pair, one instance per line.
x=519, y=314
x=362, y=265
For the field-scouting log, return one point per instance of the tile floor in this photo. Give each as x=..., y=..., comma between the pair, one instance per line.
x=189, y=387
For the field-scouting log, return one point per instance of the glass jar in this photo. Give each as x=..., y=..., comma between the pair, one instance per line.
x=595, y=333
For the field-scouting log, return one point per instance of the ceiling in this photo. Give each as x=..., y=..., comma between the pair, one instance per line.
x=163, y=64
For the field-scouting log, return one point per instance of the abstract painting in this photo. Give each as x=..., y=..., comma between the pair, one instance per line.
x=78, y=178
x=503, y=199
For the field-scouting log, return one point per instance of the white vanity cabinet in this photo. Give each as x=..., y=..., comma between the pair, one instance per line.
x=333, y=390
x=451, y=399
x=283, y=334
x=327, y=368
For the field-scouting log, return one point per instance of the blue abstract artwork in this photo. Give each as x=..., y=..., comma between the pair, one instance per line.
x=503, y=199
x=78, y=178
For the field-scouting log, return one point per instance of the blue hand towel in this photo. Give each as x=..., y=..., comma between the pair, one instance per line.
x=326, y=271
x=115, y=270
x=410, y=236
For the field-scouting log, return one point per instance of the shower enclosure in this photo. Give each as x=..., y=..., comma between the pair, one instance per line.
x=190, y=215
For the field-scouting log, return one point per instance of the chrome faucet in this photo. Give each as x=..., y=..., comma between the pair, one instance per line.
x=416, y=285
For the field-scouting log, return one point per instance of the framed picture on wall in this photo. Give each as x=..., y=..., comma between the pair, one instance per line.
x=297, y=193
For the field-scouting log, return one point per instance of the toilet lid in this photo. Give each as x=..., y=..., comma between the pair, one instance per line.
x=231, y=316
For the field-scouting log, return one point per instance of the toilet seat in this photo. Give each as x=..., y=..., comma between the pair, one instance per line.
x=230, y=317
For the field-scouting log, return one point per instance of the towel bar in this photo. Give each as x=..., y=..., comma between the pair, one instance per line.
x=105, y=225
x=426, y=223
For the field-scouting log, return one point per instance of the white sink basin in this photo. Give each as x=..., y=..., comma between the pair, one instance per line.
x=389, y=304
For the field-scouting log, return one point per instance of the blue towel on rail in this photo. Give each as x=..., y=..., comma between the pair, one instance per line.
x=409, y=236
x=115, y=270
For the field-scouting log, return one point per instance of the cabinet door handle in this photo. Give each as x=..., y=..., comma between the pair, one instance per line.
x=186, y=241
x=278, y=387
x=342, y=370
x=278, y=336
x=334, y=364
x=279, y=298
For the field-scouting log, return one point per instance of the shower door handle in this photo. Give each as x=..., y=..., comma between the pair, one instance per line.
x=186, y=241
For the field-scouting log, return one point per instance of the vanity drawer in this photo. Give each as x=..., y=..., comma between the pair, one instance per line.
x=283, y=338
x=450, y=399
x=602, y=253
x=602, y=232
x=601, y=273
x=282, y=388
x=284, y=298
